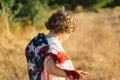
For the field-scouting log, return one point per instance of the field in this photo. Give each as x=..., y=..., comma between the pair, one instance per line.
x=93, y=47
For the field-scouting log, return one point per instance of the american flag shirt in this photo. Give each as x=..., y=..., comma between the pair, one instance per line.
x=39, y=50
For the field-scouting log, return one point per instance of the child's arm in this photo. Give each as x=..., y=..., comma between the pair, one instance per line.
x=53, y=69
x=71, y=74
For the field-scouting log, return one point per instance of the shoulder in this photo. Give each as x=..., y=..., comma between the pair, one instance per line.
x=54, y=45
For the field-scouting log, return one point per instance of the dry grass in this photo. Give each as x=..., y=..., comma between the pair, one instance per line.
x=93, y=47
x=96, y=45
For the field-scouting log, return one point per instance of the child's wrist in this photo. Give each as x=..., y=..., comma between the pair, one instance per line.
x=72, y=74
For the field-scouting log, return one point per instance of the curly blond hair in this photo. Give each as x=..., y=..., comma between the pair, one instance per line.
x=61, y=21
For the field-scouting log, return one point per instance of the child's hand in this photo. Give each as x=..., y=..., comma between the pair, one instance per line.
x=83, y=74
x=76, y=74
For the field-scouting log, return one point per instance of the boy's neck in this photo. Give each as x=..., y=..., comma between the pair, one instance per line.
x=56, y=36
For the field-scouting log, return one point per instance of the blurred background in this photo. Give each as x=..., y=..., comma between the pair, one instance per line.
x=93, y=47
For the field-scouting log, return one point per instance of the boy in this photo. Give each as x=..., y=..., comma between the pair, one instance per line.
x=45, y=55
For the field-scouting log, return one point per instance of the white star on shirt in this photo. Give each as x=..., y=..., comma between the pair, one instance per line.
x=31, y=46
x=35, y=77
x=30, y=65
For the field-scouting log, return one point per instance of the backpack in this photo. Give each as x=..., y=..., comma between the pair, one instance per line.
x=35, y=52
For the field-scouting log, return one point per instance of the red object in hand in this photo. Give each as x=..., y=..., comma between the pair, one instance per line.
x=72, y=74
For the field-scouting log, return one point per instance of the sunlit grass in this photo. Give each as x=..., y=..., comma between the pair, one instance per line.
x=93, y=47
